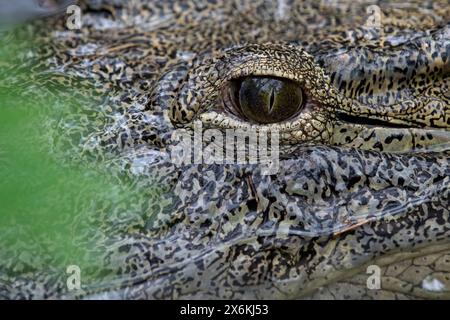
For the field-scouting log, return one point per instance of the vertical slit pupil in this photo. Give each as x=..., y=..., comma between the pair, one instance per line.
x=272, y=99
x=254, y=98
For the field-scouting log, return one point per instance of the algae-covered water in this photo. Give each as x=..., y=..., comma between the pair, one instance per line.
x=54, y=210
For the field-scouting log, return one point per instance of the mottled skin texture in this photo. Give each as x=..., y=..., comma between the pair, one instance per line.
x=365, y=170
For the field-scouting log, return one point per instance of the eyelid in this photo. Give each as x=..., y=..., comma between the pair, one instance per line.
x=266, y=66
x=220, y=120
x=305, y=128
x=210, y=75
x=223, y=121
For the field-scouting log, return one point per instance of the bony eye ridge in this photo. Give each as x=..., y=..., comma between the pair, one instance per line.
x=266, y=99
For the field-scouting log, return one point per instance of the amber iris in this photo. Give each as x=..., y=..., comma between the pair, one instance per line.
x=266, y=99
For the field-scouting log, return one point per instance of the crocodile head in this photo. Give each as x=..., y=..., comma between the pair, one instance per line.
x=355, y=104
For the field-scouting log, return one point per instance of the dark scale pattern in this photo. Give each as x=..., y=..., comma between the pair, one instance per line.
x=365, y=170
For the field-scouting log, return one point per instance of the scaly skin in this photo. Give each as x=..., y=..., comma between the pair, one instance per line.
x=365, y=171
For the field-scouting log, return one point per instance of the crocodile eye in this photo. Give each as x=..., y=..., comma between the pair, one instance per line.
x=265, y=99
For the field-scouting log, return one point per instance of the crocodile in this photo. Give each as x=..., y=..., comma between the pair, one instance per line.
x=358, y=95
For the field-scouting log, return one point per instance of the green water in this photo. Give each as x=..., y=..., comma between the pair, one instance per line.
x=53, y=213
